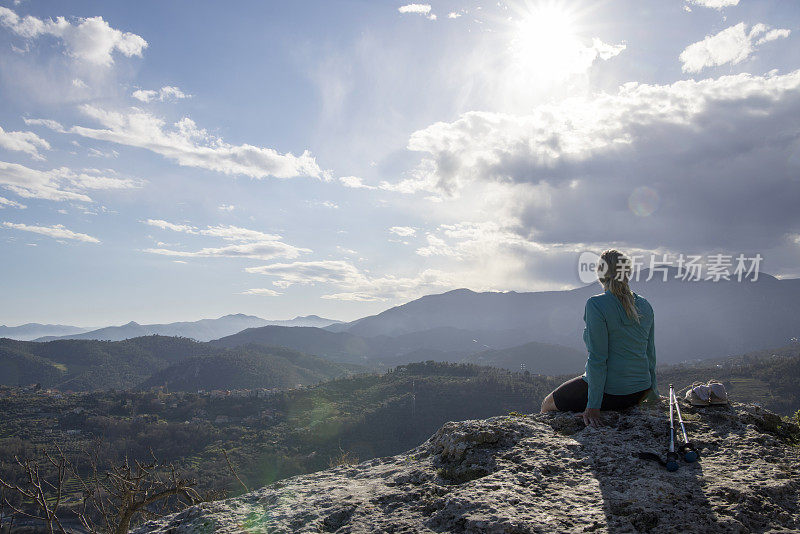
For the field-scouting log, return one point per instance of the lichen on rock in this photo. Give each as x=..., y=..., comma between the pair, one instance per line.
x=541, y=473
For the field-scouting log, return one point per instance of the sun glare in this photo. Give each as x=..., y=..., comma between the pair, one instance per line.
x=545, y=45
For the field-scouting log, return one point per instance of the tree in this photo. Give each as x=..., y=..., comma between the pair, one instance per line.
x=113, y=500
x=44, y=491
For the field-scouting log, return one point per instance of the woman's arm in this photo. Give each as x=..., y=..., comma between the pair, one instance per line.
x=595, y=335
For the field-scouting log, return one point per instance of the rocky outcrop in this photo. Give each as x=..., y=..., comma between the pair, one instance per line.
x=541, y=473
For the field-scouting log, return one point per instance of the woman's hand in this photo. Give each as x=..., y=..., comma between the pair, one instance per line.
x=592, y=417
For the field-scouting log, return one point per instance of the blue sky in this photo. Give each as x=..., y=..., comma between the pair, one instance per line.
x=164, y=161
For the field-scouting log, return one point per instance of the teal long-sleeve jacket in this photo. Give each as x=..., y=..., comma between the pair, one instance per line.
x=622, y=352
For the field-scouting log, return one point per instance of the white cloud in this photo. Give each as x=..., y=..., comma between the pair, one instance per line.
x=559, y=170
x=345, y=250
x=512, y=148
x=166, y=93
x=419, y=9
x=4, y=202
x=732, y=45
x=97, y=181
x=194, y=147
x=422, y=178
x=355, y=182
x=326, y=204
x=471, y=239
x=260, y=250
x=453, y=15
x=57, y=231
x=226, y=207
x=715, y=4
x=310, y=272
x=58, y=184
x=604, y=50
x=357, y=285
x=492, y=256
x=226, y=232
x=422, y=9
x=27, y=142
x=95, y=153
x=145, y=95
x=250, y=243
x=79, y=84
x=354, y=296
x=771, y=35
x=47, y=123
x=403, y=231
x=164, y=225
x=261, y=291
x=436, y=247
x=236, y=233
x=388, y=287
x=87, y=39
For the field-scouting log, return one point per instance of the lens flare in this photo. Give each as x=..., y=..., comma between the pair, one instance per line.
x=644, y=201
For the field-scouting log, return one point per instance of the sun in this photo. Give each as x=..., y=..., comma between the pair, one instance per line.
x=545, y=44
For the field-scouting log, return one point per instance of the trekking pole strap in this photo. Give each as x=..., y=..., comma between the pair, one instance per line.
x=651, y=456
x=671, y=463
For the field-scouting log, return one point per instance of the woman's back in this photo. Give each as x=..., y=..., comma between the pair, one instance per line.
x=620, y=348
x=621, y=363
x=626, y=337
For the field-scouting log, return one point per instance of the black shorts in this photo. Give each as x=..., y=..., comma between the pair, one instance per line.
x=572, y=396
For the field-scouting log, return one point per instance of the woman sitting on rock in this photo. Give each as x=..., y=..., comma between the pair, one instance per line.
x=621, y=367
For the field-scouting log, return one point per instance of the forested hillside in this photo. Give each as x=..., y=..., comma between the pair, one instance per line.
x=88, y=365
x=267, y=438
x=539, y=358
x=247, y=367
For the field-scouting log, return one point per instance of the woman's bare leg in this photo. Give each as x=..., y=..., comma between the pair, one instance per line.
x=548, y=404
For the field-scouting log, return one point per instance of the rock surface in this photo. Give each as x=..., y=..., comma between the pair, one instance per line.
x=541, y=473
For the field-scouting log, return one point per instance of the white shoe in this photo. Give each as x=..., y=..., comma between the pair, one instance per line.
x=718, y=393
x=699, y=395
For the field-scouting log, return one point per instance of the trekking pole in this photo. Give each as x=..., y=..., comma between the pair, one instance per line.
x=672, y=456
x=690, y=454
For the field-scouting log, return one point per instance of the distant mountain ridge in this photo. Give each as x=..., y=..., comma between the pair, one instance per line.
x=694, y=319
x=202, y=330
x=30, y=331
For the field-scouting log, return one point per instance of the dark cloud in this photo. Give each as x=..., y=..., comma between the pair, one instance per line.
x=715, y=154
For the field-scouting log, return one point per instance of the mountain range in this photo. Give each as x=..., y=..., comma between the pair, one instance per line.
x=202, y=330
x=29, y=331
x=178, y=363
x=693, y=319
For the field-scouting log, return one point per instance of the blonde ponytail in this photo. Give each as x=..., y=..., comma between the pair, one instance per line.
x=614, y=271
